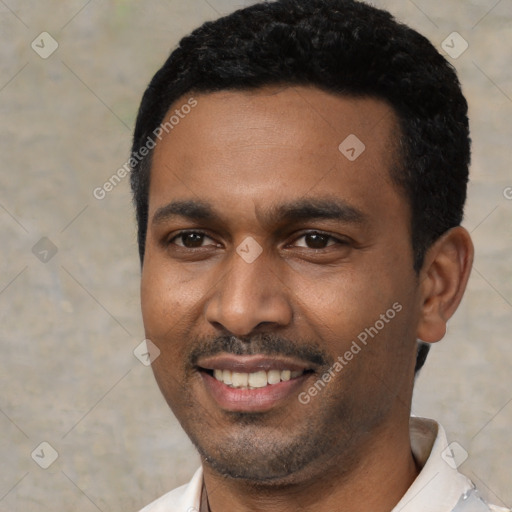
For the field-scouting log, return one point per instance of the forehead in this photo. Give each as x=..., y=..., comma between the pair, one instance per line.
x=260, y=147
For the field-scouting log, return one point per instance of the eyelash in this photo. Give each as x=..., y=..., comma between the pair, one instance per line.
x=195, y=232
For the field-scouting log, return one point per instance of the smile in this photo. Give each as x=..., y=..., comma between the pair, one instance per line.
x=254, y=383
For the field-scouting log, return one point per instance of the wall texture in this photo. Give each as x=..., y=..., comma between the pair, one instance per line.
x=69, y=273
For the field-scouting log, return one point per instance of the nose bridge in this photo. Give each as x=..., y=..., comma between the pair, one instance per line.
x=249, y=278
x=249, y=294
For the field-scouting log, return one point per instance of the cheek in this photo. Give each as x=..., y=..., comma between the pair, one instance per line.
x=167, y=308
x=155, y=303
x=340, y=299
x=349, y=304
x=169, y=297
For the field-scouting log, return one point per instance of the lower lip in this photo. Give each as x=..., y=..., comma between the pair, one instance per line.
x=252, y=400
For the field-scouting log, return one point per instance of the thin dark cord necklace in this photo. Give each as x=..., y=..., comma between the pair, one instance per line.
x=205, y=504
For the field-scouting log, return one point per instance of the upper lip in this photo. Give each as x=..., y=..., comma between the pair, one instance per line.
x=251, y=364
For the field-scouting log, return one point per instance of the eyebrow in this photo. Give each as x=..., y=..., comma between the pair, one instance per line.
x=298, y=210
x=188, y=209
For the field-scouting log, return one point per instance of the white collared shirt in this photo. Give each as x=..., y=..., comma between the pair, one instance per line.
x=438, y=488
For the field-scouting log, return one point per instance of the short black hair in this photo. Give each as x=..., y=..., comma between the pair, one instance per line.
x=344, y=47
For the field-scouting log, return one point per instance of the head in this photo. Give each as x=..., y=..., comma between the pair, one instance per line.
x=263, y=101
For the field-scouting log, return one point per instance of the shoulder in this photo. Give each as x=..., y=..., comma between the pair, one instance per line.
x=439, y=486
x=473, y=502
x=168, y=502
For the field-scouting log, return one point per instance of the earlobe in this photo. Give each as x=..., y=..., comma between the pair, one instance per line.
x=443, y=280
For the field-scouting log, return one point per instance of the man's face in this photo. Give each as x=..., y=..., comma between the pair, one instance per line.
x=295, y=252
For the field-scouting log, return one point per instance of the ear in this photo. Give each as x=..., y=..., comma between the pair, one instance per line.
x=443, y=279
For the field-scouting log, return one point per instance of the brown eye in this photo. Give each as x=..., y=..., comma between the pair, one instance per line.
x=190, y=240
x=315, y=240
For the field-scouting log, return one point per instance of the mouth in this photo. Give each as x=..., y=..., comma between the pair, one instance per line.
x=252, y=383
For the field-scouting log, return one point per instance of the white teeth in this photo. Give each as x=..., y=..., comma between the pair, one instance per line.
x=239, y=379
x=256, y=379
x=226, y=377
x=274, y=376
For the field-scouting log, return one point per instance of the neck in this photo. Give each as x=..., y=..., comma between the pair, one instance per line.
x=379, y=473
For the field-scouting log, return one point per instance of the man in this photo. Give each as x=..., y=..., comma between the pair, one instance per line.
x=299, y=175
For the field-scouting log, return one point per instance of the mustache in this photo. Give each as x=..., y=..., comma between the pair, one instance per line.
x=266, y=344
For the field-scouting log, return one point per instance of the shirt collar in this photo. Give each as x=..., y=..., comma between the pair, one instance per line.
x=439, y=486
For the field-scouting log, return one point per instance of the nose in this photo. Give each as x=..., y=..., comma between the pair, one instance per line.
x=248, y=297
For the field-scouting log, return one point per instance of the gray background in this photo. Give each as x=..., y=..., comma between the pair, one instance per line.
x=68, y=374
